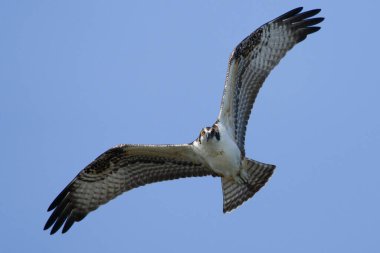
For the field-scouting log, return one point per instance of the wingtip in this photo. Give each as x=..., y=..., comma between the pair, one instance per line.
x=50, y=208
x=296, y=10
x=312, y=29
x=55, y=228
x=69, y=222
x=310, y=13
x=316, y=11
x=49, y=222
x=289, y=14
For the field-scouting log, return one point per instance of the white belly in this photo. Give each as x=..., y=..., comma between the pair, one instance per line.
x=224, y=156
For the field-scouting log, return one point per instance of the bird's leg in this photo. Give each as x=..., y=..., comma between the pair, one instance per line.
x=244, y=175
x=241, y=177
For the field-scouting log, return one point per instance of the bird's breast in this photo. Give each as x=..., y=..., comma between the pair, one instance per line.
x=222, y=156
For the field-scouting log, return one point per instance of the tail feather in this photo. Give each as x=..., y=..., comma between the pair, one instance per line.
x=235, y=194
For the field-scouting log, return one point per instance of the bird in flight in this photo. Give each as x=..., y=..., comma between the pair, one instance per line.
x=218, y=151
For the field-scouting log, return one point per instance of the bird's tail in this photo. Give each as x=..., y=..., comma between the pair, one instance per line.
x=235, y=194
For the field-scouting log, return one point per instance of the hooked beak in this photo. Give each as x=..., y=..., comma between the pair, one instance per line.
x=210, y=135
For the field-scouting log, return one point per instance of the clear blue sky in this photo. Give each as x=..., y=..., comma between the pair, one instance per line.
x=78, y=77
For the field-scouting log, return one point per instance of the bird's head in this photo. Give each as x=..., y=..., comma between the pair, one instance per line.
x=209, y=134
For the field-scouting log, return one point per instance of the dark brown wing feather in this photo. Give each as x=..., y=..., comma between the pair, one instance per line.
x=118, y=170
x=253, y=59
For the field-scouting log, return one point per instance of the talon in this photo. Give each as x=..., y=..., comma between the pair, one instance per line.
x=244, y=176
x=238, y=179
x=241, y=178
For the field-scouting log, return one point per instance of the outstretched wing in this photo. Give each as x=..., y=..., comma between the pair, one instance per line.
x=253, y=59
x=120, y=169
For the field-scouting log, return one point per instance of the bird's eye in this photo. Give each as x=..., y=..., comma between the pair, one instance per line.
x=203, y=133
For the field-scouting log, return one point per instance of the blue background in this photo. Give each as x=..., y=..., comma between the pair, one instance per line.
x=78, y=77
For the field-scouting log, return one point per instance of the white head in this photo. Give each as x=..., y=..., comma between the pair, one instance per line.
x=209, y=134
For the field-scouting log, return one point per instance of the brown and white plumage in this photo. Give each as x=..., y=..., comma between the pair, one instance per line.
x=120, y=169
x=253, y=59
x=236, y=194
x=218, y=151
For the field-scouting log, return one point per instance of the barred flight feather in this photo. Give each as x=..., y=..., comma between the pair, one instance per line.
x=252, y=61
x=118, y=170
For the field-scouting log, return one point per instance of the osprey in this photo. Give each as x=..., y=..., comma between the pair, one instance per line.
x=218, y=151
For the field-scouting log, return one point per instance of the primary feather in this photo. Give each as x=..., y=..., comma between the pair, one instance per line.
x=253, y=59
x=121, y=169
x=218, y=151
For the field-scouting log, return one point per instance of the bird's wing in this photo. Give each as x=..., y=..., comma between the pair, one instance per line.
x=120, y=169
x=253, y=59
